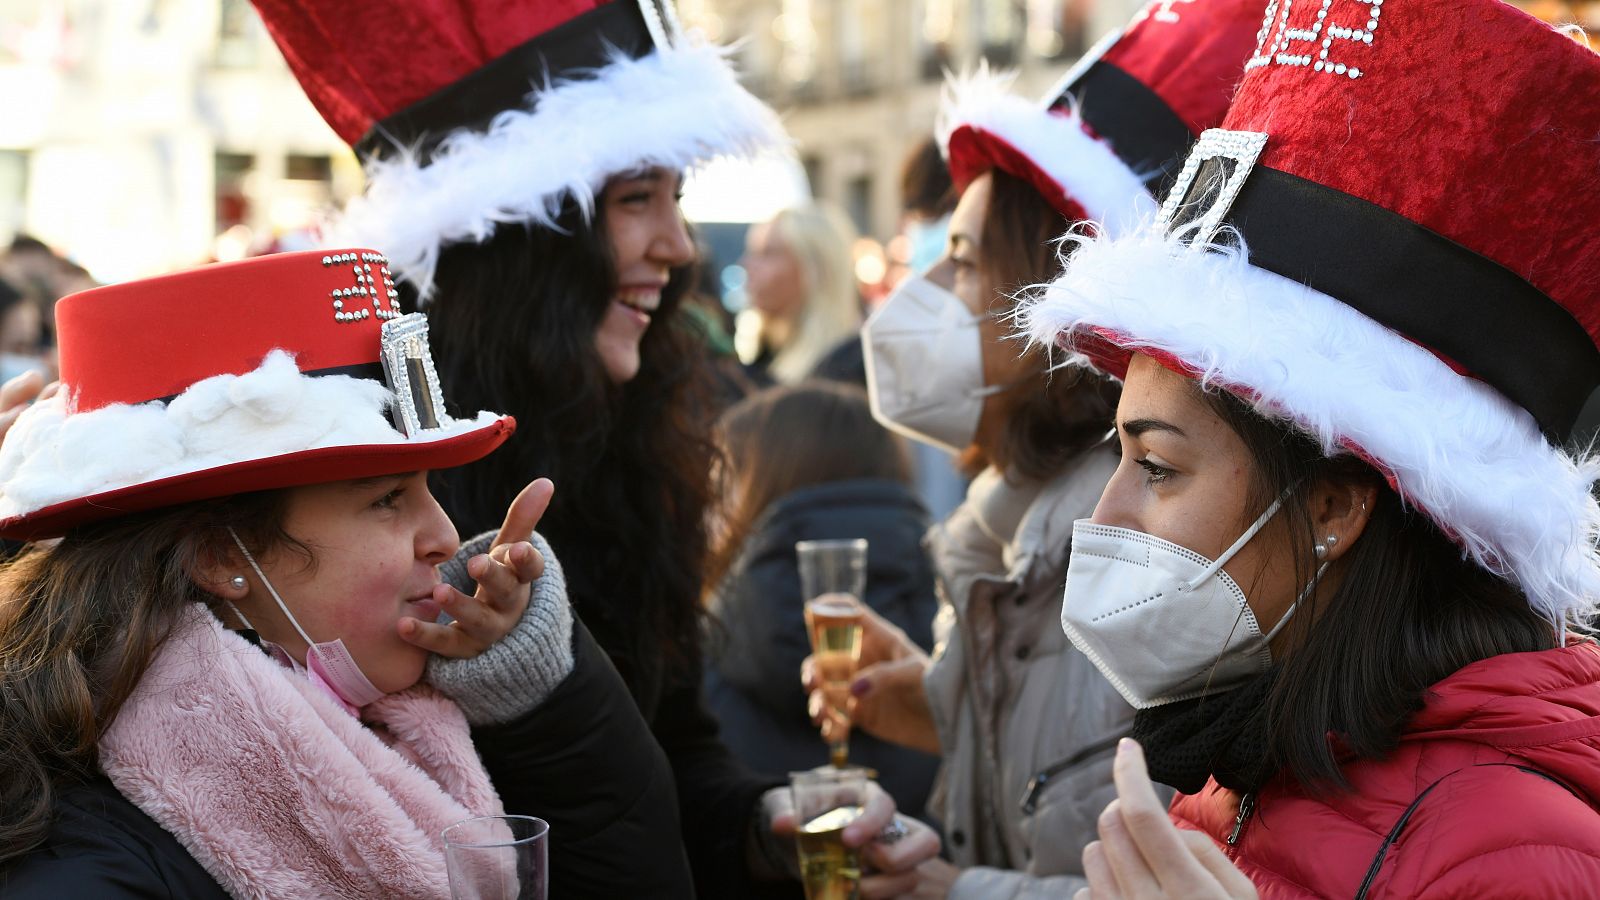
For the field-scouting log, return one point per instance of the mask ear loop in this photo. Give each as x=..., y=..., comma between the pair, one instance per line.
x=270, y=589
x=1304, y=593
x=1254, y=529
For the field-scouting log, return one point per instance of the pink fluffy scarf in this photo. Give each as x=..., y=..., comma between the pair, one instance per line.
x=278, y=791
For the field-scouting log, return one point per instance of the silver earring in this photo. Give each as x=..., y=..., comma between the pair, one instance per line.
x=1332, y=539
x=237, y=582
x=1320, y=550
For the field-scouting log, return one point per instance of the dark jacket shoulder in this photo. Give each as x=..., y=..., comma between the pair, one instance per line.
x=584, y=761
x=101, y=845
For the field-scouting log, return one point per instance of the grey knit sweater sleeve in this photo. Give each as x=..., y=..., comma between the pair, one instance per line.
x=516, y=673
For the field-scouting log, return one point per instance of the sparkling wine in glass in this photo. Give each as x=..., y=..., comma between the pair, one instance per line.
x=825, y=801
x=833, y=575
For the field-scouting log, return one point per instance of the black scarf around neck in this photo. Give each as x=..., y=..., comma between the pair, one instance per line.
x=1221, y=736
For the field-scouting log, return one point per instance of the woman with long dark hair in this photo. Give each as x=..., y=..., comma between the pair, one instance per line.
x=540, y=231
x=1345, y=569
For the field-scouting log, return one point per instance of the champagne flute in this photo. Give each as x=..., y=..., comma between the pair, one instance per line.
x=825, y=801
x=833, y=576
x=498, y=858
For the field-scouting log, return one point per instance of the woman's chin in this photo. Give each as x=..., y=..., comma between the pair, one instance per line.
x=619, y=356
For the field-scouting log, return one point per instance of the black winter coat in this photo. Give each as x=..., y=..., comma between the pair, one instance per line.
x=759, y=634
x=717, y=794
x=583, y=761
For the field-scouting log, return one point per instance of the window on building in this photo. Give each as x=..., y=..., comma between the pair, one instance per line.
x=13, y=193
x=813, y=166
x=796, y=28
x=1001, y=24
x=233, y=200
x=1059, y=29
x=240, y=35
x=862, y=27
x=300, y=167
x=935, y=22
x=858, y=202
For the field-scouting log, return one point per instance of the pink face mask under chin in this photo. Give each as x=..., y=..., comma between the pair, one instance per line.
x=328, y=665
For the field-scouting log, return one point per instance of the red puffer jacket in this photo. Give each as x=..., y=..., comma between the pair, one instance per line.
x=1491, y=793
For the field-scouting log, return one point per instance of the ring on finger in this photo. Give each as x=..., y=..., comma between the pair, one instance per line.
x=893, y=832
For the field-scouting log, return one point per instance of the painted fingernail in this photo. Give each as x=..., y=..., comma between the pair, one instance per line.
x=860, y=687
x=1125, y=746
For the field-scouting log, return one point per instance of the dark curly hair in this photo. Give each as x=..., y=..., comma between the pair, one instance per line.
x=513, y=324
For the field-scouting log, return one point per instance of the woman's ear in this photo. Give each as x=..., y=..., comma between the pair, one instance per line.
x=1340, y=510
x=220, y=573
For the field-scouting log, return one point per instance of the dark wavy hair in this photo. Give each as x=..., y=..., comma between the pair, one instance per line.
x=1410, y=609
x=512, y=326
x=1053, y=416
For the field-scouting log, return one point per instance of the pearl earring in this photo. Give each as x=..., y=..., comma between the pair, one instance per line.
x=237, y=582
x=1320, y=550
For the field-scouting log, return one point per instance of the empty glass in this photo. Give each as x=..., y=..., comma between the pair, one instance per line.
x=498, y=858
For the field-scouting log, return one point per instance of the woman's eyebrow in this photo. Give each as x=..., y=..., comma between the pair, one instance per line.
x=1136, y=427
x=374, y=481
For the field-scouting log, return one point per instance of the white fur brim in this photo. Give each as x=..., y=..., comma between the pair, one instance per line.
x=50, y=457
x=1458, y=450
x=1086, y=167
x=673, y=108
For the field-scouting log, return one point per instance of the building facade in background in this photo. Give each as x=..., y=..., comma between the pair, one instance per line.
x=138, y=136
x=858, y=81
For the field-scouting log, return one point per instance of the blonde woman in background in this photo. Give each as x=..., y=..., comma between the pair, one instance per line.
x=802, y=289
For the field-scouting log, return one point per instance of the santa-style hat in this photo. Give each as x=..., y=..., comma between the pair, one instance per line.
x=1119, y=122
x=273, y=372
x=470, y=113
x=1392, y=243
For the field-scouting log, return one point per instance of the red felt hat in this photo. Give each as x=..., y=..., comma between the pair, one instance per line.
x=471, y=113
x=1391, y=242
x=1119, y=122
x=273, y=372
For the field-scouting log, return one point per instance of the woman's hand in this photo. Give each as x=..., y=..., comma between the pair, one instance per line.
x=887, y=700
x=504, y=576
x=1141, y=855
x=935, y=878
x=891, y=869
x=19, y=393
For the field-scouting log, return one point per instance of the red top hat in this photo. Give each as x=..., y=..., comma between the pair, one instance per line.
x=1391, y=242
x=272, y=372
x=470, y=113
x=1119, y=120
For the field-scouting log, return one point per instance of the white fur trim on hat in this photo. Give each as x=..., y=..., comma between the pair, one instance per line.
x=1458, y=450
x=673, y=108
x=1085, y=167
x=50, y=456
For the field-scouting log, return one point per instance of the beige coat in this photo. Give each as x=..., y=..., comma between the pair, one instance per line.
x=1027, y=723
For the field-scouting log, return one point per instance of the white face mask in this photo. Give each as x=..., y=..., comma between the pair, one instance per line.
x=1163, y=623
x=329, y=664
x=924, y=357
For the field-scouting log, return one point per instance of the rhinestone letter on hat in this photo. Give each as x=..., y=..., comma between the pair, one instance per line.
x=1275, y=40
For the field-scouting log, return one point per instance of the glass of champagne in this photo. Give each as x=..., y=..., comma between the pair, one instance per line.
x=833, y=576
x=825, y=801
x=498, y=858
